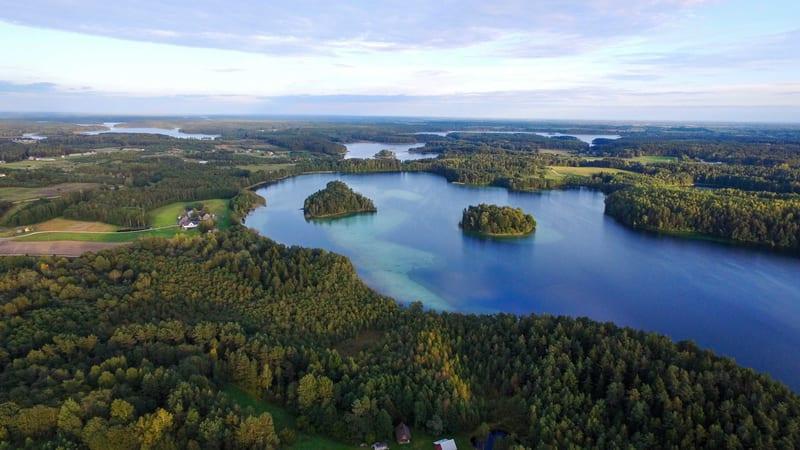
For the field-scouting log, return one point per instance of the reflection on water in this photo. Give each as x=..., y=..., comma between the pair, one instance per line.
x=740, y=302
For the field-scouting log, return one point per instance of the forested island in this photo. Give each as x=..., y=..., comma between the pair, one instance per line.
x=386, y=154
x=337, y=199
x=493, y=220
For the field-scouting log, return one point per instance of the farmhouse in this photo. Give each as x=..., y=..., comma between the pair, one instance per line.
x=192, y=218
x=445, y=444
x=402, y=434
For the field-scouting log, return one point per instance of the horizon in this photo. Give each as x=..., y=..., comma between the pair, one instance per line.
x=42, y=116
x=727, y=61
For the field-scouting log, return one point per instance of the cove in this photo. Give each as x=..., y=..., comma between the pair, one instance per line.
x=111, y=127
x=740, y=302
x=367, y=150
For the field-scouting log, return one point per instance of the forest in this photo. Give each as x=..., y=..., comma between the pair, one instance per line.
x=770, y=220
x=493, y=220
x=150, y=335
x=336, y=199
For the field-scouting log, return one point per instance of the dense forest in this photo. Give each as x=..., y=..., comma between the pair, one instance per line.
x=336, y=199
x=149, y=335
x=765, y=219
x=496, y=220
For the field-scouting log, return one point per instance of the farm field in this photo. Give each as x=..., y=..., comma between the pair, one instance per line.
x=558, y=172
x=162, y=221
x=61, y=224
x=20, y=194
x=266, y=166
x=653, y=159
x=61, y=248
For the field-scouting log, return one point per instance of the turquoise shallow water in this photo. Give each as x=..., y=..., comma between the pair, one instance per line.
x=740, y=302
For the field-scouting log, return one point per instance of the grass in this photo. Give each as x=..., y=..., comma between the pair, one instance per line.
x=163, y=220
x=63, y=163
x=283, y=418
x=61, y=224
x=112, y=236
x=559, y=172
x=265, y=166
x=21, y=194
x=168, y=215
x=653, y=159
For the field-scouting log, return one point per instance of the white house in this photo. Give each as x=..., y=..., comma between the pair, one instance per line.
x=445, y=444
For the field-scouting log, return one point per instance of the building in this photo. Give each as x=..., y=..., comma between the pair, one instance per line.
x=402, y=434
x=189, y=226
x=380, y=446
x=445, y=444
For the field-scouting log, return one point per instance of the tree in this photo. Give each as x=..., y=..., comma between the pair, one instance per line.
x=257, y=433
x=69, y=418
x=121, y=411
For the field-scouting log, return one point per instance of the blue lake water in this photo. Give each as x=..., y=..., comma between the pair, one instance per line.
x=367, y=150
x=742, y=303
x=588, y=138
x=111, y=127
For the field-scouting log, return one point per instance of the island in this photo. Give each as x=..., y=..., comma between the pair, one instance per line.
x=337, y=199
x=385, y=154
x=493, y=220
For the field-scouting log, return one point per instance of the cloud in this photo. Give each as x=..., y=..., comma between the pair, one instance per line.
x=11, y=87
x=761, y=102
x=763, y=52
x=523, y=27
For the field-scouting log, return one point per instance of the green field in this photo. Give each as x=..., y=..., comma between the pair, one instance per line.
x=653, y=159
x=62, y=163
x=19, y=194
x=266, y=167
x=111, y=236
x=283, y=418
x=559, y=172
x=163, y=220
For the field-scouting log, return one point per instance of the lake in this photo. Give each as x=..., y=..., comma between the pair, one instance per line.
x=740, y=302
x=367, y=150
x=588, y=138
x=172, y=132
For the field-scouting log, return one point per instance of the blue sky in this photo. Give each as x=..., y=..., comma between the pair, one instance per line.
x=591, y=59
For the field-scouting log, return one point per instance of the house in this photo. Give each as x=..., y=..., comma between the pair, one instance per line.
x=402, y=434
x=189, y=226
x=445, y=444
x=380, y=446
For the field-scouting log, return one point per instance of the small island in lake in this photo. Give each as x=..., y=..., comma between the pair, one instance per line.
x=493, y=220
x=337, y=199
x=385, y=154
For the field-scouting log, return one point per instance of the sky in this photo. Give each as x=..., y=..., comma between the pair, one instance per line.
x=716, y=60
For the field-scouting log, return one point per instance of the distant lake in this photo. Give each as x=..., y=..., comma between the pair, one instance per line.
x=588, y=138
x=739, y=302
x=174, y=132
x=367, y=150
x=33, y=136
